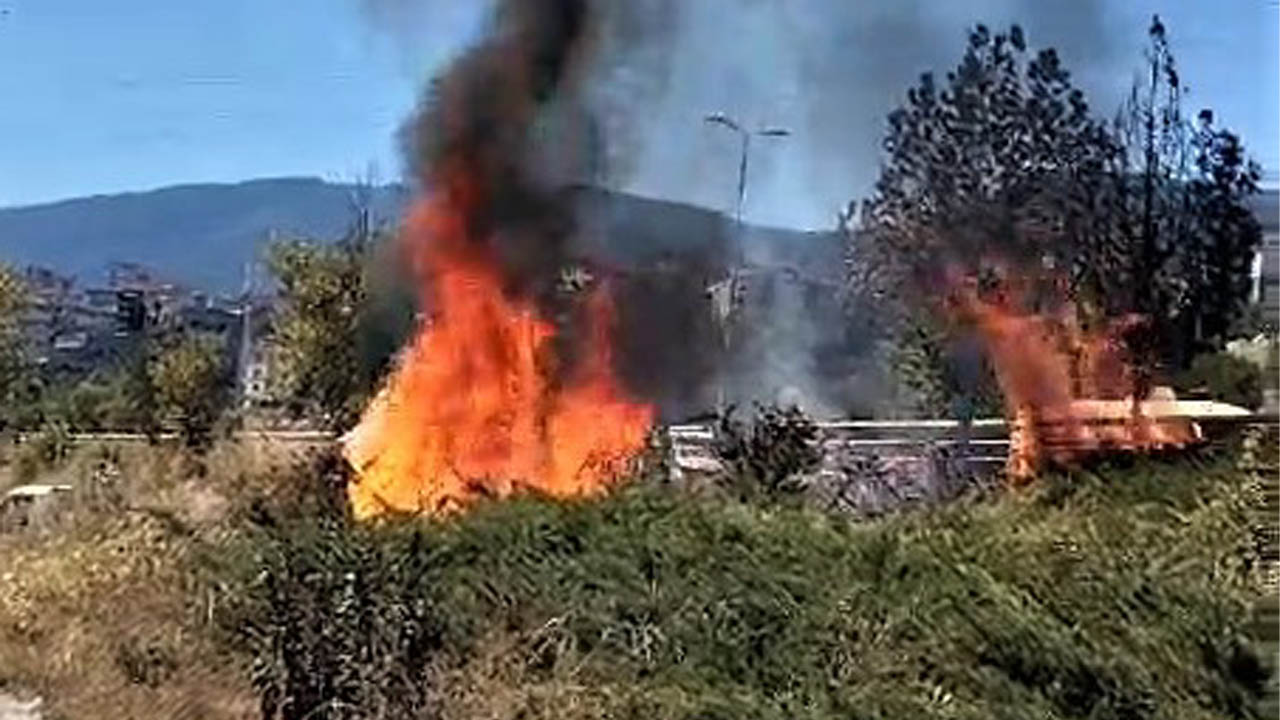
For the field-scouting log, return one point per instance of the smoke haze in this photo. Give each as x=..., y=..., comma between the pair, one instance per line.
x=628, y=115
x=829, y=72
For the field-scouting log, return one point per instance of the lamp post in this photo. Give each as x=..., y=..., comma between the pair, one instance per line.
x=730, y=288
x=745, y=138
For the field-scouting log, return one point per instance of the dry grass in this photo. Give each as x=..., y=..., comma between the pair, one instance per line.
x=1124, y=590
x=102, y=612
x=100, y=621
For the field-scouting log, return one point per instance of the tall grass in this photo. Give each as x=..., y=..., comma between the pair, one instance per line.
x=107, y=609
x=1113, y=593
x=1118, y=592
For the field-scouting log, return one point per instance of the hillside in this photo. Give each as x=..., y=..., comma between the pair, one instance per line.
x=199, y=234
x=204, y=234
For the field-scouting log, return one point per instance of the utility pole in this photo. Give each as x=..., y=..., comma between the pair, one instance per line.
x=725, y=295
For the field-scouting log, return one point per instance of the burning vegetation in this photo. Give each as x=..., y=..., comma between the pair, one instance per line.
x=497, y=390
x=511, y=382
x=1068, y=391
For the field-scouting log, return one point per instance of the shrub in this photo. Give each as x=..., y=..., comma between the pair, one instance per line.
x=1126, y=598
x=346, y=626
x=337, y=616
x=767, y=456
x=44, y=450
x=1224, y=377
x=190, y=378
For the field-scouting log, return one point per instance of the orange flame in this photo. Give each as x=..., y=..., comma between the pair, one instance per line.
x=473, y=409
x=1067, y=390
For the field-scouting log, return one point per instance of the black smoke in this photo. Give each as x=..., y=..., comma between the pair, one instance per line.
x=612, y=94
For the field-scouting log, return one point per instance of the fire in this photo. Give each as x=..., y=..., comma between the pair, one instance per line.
x=1067, y=390
x=473, y=407
x=486, y=398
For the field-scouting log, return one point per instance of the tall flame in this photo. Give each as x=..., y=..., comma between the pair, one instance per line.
x=473, y=408
x=1067, y=390
x=482, y=401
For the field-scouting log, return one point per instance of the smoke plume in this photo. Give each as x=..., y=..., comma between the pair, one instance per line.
x=614, y=95
x=475, y=128
x=828, y=71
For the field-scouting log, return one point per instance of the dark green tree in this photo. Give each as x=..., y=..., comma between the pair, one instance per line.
x=14, y=362
x=999, y=163
x=994, y=163
x=190, y=377
x=345, y=308
x=1179, y=237
x=1217, y=261
x=1003, y=163
x=133, y=403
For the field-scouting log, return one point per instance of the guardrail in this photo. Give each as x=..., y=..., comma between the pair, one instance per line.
x=125, y=437
x=988, y=442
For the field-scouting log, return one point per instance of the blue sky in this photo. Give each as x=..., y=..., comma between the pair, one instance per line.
x=102, y=96
x=133, y=94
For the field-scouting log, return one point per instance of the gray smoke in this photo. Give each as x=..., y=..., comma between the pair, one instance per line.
x=826, y=70
x=829, y=71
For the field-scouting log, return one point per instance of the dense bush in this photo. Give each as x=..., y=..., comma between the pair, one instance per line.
x=191, y=380
x=767, y=456
x=1122, y=594
x=43, y=450
x=346, y=626
x=1224, y=377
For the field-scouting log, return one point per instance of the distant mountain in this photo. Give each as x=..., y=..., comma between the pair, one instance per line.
x=636, y=231
x=204, y=234
x=198, y=234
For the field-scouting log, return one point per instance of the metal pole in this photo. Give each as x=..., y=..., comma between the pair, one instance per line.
x=742, y=194
x=739, y=241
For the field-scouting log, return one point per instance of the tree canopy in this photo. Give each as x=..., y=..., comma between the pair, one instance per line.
x=13, y=360
x=345, y=309
x=1003, y=163
x=190, y=379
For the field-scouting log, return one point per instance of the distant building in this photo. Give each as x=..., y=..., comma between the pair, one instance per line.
x=101, y=298
x=255, y=375
x=253, y=346
x=1266, y=264
x=76, y=330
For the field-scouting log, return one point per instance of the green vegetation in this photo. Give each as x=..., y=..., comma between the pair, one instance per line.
x=13, y=363
x=191, y=384
x=1001, y=161
x=322, y=289
x=1226, y=377
x=345, y=310
x=168, y=589
x=1115, y=593
x=1123, y=591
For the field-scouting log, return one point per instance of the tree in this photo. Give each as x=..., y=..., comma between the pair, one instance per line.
x=315, y=338
x=1180, y=236
x=1004, y=165
x=995, y=164
x=133, y=403
x=344, y=309
x=1217, y=261
x=191, y=380
x=998, y=164
x=14, y=362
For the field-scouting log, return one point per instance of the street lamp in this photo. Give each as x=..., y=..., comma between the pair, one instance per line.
x=730, y=288
x=745, y=138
